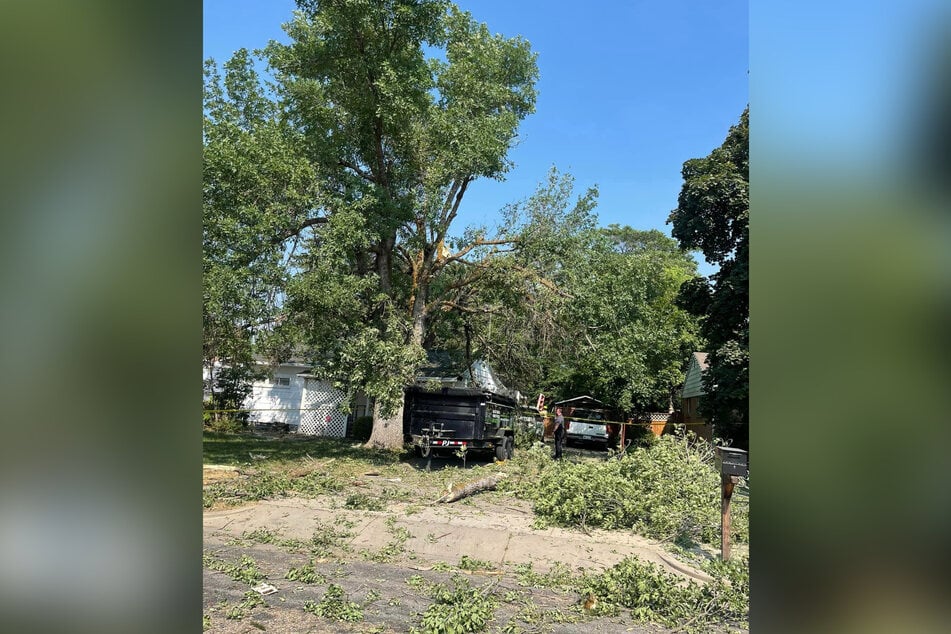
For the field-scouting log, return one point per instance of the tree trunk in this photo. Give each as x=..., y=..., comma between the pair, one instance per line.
x=387, y=432
x=420, y=297
x=384, y=264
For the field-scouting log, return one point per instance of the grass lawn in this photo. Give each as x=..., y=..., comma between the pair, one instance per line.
x=237, y=450
x=270, y=467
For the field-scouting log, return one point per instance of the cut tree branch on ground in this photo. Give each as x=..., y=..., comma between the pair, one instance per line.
x=484, y=484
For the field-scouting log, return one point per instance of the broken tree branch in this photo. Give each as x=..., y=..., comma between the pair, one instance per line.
x=484, y=484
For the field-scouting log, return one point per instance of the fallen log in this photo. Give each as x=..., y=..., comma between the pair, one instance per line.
x=484, y=484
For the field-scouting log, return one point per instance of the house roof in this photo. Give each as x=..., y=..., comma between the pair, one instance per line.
x=693, y=380
x=296, y=361
x=585, y=398
x=701, y=358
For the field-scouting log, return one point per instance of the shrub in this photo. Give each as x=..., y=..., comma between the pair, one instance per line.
x=229, y=387
x=220, y=423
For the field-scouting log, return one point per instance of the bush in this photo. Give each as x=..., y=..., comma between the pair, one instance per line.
x=640, y=436
x=221, y=424
x=362, y=428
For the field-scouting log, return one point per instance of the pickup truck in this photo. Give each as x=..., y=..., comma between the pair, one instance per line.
x=583, y=427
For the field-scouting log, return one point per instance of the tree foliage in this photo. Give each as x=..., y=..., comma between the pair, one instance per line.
x=575, y=309
x=512, y=307
x=713, y=216
x=380, y=117
x=632, y=338
x=256, y=192
x=331, y=196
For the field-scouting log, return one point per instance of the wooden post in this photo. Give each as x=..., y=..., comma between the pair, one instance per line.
x=727, y=482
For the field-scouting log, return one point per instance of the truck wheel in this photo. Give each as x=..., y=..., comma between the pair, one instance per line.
x=500, y=450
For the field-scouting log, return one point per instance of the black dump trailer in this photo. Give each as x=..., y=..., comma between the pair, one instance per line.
x=460, y=418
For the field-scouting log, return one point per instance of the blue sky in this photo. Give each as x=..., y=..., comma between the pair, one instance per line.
x=628, y=91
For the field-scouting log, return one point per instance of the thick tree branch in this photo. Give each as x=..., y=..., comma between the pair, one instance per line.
x=404, y=255
x=447, y=206
x=543, y=281
x=357, y=170
x=448, y=305
x=455, y=257
x=466, y=281
x=460, y=189
x=310, y=222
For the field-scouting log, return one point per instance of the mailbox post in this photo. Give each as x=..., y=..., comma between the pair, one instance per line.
x=733, y=464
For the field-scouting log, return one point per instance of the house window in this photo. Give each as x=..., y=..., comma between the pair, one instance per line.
x=282, y=381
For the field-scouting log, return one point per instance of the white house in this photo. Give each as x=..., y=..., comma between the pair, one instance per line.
x=309, y=405
x=291, y=395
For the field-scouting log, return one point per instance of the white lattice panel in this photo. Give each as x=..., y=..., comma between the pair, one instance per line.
x=320, y=411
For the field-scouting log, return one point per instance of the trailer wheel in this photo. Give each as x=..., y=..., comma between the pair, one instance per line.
x=500, y=450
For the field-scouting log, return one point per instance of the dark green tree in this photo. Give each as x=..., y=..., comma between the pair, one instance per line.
x=712, y=216
x=632, y=338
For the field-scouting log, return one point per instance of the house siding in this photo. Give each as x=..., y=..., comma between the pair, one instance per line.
x=308, y=405
x=694, y=422
x=692, y=382
x=691, y=396
x=273, y=403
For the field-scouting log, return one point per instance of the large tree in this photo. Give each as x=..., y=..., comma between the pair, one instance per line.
x=712, y=216
x=393, y=108
x=633, y=338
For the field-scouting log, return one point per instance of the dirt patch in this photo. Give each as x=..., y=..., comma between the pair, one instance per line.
x=212, y=473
